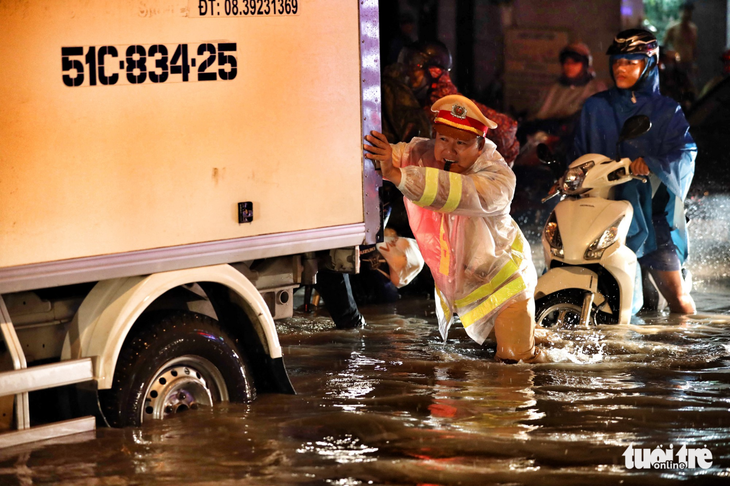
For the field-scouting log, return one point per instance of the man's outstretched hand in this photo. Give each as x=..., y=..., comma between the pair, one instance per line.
x=381, y=151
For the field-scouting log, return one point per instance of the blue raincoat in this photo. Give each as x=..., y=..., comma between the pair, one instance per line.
x=667, y=149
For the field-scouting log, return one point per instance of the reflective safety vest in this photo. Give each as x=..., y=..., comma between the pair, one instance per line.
x=475, y=308
x=477, y=254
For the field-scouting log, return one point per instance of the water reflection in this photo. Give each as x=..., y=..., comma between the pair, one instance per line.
x=353, y=382
x=394, y=404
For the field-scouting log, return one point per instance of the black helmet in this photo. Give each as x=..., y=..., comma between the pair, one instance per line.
x=635, y=41
x=426, y=54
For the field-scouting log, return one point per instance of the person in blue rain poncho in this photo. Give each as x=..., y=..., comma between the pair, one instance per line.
x=666, y=153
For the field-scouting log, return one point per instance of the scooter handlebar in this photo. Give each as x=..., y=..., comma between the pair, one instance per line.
x=547, y=198
x=551, y=193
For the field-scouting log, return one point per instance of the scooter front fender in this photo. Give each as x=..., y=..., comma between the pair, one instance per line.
x=561, y=278
x=620, y=262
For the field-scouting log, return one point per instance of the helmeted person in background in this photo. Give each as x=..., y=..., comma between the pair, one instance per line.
x=402, y=115
x=666, y=154
x=681, y=37
x=458, y=191
x=553, y=120
x=565, y=97
x=427, y=65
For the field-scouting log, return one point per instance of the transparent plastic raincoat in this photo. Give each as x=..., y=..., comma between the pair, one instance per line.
x=477, y=254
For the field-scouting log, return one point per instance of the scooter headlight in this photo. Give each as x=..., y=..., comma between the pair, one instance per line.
x=606, y=239
x=552, y=235
x=572, y=182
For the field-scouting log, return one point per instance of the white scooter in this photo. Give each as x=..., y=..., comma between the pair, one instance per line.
x=590, y=270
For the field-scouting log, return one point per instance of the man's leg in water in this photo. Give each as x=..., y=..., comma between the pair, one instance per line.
x=334, y=287
x=514, y=331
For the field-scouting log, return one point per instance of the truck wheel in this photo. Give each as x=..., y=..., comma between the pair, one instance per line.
x=560, y=310
x=173, y=362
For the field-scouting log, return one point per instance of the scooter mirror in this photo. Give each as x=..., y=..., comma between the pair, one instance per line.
x=544, y=154
x=635, y=126
x=546, y=157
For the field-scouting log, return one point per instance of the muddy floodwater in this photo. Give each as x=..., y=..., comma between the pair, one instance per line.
x=394, y=404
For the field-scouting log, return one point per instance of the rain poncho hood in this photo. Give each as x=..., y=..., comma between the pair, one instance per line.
x=667, y=149
x=479, y=258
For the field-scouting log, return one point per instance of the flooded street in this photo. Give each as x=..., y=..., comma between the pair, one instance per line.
x=644, y=403
x=393, y=404
x=174, y=172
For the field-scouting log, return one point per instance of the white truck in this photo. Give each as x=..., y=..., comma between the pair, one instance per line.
x=169, y=172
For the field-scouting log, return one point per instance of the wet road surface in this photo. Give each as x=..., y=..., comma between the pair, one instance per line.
x=393, y=404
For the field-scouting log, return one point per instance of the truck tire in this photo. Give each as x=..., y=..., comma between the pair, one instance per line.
x=560, y=310
x=172, y=362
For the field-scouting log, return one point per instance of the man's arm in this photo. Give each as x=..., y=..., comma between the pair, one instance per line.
x=485, y=193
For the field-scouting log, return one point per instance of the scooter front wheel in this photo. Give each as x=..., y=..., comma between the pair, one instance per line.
x=560, y=310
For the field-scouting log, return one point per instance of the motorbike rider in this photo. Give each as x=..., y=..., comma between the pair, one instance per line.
x=681, y=38
x=658, y=233
x=560, y=103
x=458, y=191
x=553, y=123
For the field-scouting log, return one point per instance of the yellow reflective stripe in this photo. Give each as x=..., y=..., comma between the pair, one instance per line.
x=445, y=259
x=506, y=272
x=431, y=187
x=444, y=307
x=495, y=300
x=518, y=243
x=454, y=193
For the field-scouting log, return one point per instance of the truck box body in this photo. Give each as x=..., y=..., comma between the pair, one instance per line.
x=113, y=169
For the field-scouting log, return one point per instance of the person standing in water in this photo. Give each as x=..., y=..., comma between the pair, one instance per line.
x=458, y=190
x=666, y=154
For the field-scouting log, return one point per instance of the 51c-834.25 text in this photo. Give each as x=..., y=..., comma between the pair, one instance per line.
x=156, y=63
